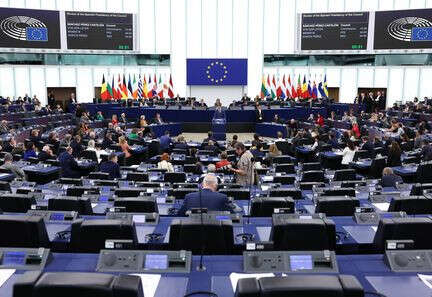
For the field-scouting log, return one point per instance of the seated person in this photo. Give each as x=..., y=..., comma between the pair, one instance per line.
x=277, y=119
x=134, y=134
x=211, y=146
x=99, y=116
x=316, y=144
x=123, y=119
x=389, y=179
x=70, y=167
x=320, y=120
x=333, y=141
x=209, y=137
x=279, y=136
x=108, y=141
x=46, y=154
x=223, y=164
x=233, y=142
x=30, y=151
x=111, y=167
x=76, y=145
x=210, y=198
x=18, y=149
x=158, y=120
x=126, y=150
x=4, y=127
x=165, y=141
x=8, y=146
x=181, y=143
x=114, y=120
x=256, y=149
x=91, y=146
x=292, y=128
x=165, y=164
x=9, y=165
x=394, y=155
x=426, y=152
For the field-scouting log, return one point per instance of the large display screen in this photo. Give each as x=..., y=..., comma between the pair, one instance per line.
x=335, y=31
x=99, y=31
x=29, y=28
x=403, y=29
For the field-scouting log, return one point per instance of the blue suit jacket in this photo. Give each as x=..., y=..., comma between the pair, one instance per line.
x=213, y=201
x=165, y=142
x=390, y=180
x=69, y=166
x=113, y=169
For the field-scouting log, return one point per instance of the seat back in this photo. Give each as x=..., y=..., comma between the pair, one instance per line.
x=417, y=229
x=23, y=231
x=286, y=192
x=303, y=234
x=313, y=176
x=174, y=177
x=361, y=154
x=89, y=236
x=337, y=206
x=424, y=173
x=311, y=166
x=264, y=207
x=377, y=167
x=189, y=234
x=99, y=175
x=345, y=174
x=137, y=176
x=144, y=205
x=411, y=205
x=89, y=155
x=285, y=168
x=79, y=191
x=16, y=202
x=80, y=205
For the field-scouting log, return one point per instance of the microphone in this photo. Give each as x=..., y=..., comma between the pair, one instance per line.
x=201, y=266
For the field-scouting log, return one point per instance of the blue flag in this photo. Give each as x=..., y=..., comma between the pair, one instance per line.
x=36, y=34
x=217, y=72
x=421, y=34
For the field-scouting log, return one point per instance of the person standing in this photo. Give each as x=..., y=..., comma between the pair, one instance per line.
x=245, y=171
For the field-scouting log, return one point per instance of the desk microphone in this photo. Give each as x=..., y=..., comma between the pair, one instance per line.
x=201, y=266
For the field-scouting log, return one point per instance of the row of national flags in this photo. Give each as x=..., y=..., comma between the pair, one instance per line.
x=136, y=87
x=285, y=88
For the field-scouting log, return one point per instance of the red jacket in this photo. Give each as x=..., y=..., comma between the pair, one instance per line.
x=320, y=121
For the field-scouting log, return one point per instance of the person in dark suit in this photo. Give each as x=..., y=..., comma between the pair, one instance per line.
x=389, y=179
x=368, y=145
x=333, y=141
x=76, y=145
x=181, y=143
x=46, y=154
x=72, y=99
x=51, y=100
x=259, y=114
x=111, y=167
x=211, y=147
x=158, y=120
x=107, y=141
x=210, y=199
x=165, y=141
x=70, y=167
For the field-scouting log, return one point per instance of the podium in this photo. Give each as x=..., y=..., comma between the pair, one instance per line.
x=219, y=125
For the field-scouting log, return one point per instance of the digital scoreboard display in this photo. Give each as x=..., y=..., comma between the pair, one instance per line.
x=99, y=31
x=335, y=31
x=29, y=28
x=403, y=29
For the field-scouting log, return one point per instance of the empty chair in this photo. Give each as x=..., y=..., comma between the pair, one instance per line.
x=80, y=205
x=137, y=176
x=361, y=154
x=187, y=234
x=353, y=184
x=310, y=185
x=23, y=231
x=303, y=234
x=185, y=185
x=129, y=192
x=89, y=236
x=411, y=205
x=180, y=193
x=284, y=179
x=377, y=167
x=417, y=229
x=147, y=204
x=300, y=285
x=286, y=168
x=174, y=177
x=293, y=193
x=282, y=159
x=108, y=183
x=90, y=155
x=99, y=175
x=339, y=192
x=38, y=283
x=237, y=194
x=424, y=173
x=264, y=207
x=5, y=186
x=417, y=189
x=313, y=176
x=16, y=202
x=70, y=181
x=283, y=146
x=79, y=191
x=345, y=174
x=337, y=206
x=311, y=166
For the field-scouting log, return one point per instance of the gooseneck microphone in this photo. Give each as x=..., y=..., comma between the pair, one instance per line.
x=201, y=266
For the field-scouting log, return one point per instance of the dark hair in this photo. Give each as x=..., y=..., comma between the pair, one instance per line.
x=167, y=132
x=351, y=145
x=209, y=133
x=29, y=145
x=256, y=136
x=239, y=145
x=235, y=137
x=395, y=148
x=112, y=156
x=223, y=155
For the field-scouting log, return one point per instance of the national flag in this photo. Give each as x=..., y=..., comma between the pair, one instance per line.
x=291, y=88
x=264, y=92
x=124, y=89
x=279, y=89
x=130, y=89
x=119, y=88
x=111, y=89
x=155, y=86
x=145, y=89
x=140, y=87
x=150, y=88
x=171, y=88
x=134, y=88
x=325, y=87
x=104, y=89
x=309, y=89
x=304, y=89
x=299, y=88
x=284, y=88
x=314, y=91
x=160, y=90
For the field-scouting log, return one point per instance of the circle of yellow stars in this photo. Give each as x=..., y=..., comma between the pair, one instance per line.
x=225, y=72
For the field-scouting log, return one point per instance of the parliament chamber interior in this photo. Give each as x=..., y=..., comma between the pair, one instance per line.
x=247, y=148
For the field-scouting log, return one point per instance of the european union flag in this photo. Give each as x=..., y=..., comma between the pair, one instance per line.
x=217, y=72
x=421, y=34
x=36, y=34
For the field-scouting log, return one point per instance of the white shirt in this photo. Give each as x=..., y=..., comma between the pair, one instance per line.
x=348, y=156
x=166, y=165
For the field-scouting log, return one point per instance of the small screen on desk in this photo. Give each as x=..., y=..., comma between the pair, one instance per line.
x=156, y=262
x=103, y=198
x=222, y=217
x=13, y=258
x=57, y=217
x=300, y=262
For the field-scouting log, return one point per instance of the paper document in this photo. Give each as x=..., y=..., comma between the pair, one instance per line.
x=93, y=205
x=384, y=206
x=235, y=277
x=149, y=283
x=426, y=279
x=5, y=274
x=375, y=228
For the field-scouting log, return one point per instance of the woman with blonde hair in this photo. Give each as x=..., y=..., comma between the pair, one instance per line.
x=165, y=164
